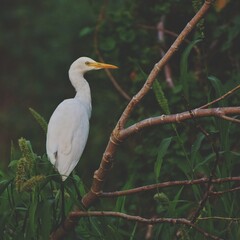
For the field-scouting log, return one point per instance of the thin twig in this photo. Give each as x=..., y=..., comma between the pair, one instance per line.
x=221, y=98
x=165, y=185
x=225, y=191
x=219, y=218
x=161, y=39
x=168, y=32
x=128, y=217
x=230, y=119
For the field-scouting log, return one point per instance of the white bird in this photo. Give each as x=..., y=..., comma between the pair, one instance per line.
x=69, y=124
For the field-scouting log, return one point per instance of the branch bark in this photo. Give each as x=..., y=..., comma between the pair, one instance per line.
x=178, y=118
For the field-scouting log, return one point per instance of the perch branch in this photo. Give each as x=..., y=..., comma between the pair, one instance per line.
x=177, y=118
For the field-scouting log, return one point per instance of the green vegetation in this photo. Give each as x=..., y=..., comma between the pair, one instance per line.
x=39, y=41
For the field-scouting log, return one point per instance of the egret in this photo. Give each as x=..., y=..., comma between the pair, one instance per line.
x=69, y=124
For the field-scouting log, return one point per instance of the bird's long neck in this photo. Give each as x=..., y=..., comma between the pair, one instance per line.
x=83, y=93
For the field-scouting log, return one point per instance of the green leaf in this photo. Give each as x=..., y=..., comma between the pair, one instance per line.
x=185, y=76
x=134, y=231
x=13, y=163
x=79, y=184
x=44, y=213
x=127, y=35
x=195, y=148
x=219, y=89
x=162, y=150
x=222, y=125
x=85, y=31
x=12, y=151
x=120, y=204
x=162, y=199
x=42, y=122
x=108, y=44
x=173, y=204
x=161, y=99
x=96, y=227
x=4, y=184
x=32, y=223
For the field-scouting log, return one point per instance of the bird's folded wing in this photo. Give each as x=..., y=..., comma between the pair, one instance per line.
x=67, y=135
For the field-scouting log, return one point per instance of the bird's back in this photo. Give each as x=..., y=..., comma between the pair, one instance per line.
x=67, y=135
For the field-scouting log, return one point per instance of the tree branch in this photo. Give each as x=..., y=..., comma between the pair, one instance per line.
x=221, y=98
x=178, y=118
x=165, y=185
x=225, y=191
x=219, y=218
x=161, y=39
x=181, y=221
x=159, y=66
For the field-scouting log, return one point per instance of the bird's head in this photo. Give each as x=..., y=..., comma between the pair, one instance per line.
x=84, y=64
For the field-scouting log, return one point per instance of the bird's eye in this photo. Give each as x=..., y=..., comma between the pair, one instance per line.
x=87, y=63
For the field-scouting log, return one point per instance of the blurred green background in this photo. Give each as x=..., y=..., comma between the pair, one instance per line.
x=38, y=43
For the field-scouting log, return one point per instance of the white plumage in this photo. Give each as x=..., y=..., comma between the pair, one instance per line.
x=69, y=124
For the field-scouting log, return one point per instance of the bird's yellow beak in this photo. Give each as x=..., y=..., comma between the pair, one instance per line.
x=101, y=65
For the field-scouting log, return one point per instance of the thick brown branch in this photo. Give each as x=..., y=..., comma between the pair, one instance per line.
x=179, y=117
x=159, y=66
